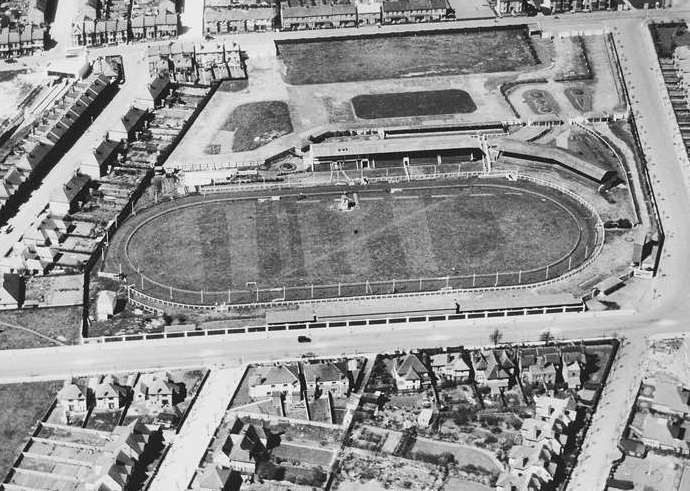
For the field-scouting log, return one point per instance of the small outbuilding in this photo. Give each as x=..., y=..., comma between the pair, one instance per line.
x=105, y=305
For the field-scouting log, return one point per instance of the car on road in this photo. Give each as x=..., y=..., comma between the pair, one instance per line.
x=303, y=339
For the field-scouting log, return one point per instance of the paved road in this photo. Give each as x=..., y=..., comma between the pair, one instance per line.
x=136, y=76
x=64, y=361
x=669, y=295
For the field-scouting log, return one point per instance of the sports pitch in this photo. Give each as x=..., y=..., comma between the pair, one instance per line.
x=224, y=242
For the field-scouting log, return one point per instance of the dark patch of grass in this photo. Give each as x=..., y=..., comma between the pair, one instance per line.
x=22, y=406
x=257, y=123
x=233, y=85
x=408, y=55
x=407, y=104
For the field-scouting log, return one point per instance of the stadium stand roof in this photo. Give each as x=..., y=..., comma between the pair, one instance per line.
x=543, y=153
x=392, y=145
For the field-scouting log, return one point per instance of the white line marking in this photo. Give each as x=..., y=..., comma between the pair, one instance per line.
x=481, y=194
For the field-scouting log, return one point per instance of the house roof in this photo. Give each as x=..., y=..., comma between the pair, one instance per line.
x=73, y=187
x=13, y=284
x=410, y=368
x=70, y=392
x=279, y=375
x=106, y=390
x=214, y=477
x=665, y=393
x=323, y=372
x=158, y=85
x=105, y=150
x=132, y=118
x=409, y=5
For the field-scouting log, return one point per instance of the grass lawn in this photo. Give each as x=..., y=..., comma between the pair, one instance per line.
x=303, y=455
x=257, y=123
x=407, y=55
x=464, y=455
x=592, y=149
x=62, y=323
x=22, y=406
x=418, y=232
x=406, y=104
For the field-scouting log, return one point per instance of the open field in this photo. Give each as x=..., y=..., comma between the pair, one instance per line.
x=257, y=123
x=402, y=56
x=406, y=104
x=23, y=405
x=451, y=229
x=60, y=323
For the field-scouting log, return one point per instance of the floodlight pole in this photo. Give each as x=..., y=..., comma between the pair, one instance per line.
x=496, y=284
x=474, y=279
x=547, y=271
x=520, y=277
x=570, y=262
x=171, y=297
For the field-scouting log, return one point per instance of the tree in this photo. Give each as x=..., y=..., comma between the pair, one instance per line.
x=496, y=336
x=546, y=337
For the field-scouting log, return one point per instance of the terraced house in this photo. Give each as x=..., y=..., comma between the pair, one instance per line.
x=410, y=11
x=299, y=14
x=254, y=17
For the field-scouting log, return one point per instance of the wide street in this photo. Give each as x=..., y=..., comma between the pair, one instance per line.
x=664, y=309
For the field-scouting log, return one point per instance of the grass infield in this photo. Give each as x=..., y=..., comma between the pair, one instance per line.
x=407, y=104
x=450, y=229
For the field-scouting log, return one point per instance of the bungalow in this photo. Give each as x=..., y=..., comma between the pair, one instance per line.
x=72, y=398
x=660, y=433
x=409, y=373
x=409, y=11
x=326, y=376
x=12, y=291
x=664, y=397
x=64, y=200
x=282, y=379
x=298, y=14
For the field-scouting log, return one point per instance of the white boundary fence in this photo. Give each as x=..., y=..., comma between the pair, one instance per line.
x=276, y=297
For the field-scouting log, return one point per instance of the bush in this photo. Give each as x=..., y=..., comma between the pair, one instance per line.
x=490, y=439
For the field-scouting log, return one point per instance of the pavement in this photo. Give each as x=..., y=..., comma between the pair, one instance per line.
x=189, y=445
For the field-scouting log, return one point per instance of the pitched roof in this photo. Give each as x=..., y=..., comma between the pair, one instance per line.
x=13, y=284
x=323, y=372
x=409, y=5
x=280, y=375
x=214, y=477
x=410, y=368
x=70, y=392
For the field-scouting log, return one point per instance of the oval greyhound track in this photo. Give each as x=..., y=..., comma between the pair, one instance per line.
x=416, y=238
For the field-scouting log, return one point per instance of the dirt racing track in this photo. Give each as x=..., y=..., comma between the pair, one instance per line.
x=426, y=236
